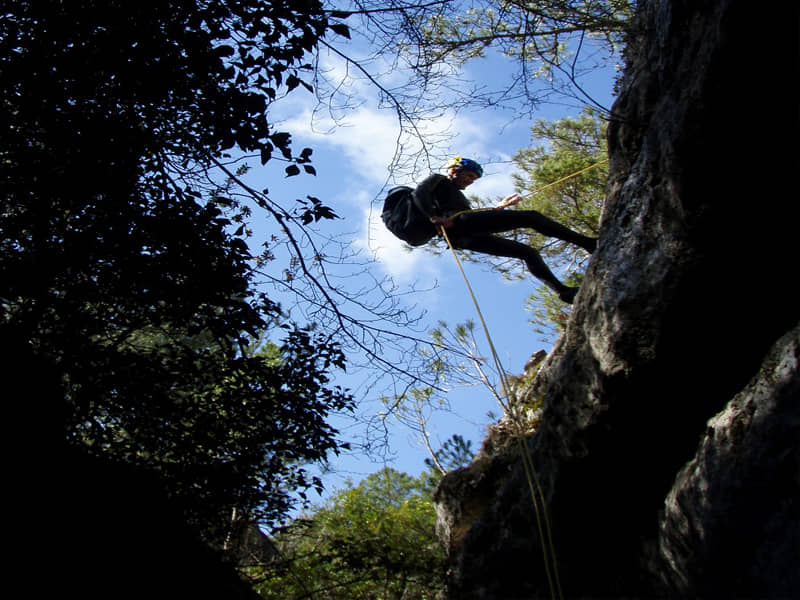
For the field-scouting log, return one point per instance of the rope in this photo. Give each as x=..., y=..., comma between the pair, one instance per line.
x=542, y=521
x=503, y=378
x=536, y=191
x=570, y=176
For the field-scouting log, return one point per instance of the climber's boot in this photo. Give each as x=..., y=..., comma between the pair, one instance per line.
x=567, y=294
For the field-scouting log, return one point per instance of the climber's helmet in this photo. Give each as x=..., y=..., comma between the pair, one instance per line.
x=467, y=164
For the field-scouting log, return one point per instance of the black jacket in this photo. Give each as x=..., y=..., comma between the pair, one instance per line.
x=437, y=196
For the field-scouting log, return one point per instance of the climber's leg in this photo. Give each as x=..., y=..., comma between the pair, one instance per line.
x=498, y=221
x=497, y=246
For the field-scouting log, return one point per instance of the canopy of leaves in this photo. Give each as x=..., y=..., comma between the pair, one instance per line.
x=119, y=277
x=548, y=51
x=529, y=30
x=564, y=177
x=373, y=540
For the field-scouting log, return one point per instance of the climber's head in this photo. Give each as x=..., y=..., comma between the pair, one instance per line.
x=463, y=171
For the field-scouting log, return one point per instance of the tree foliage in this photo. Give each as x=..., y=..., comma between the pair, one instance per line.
x=538, y=34
x=456, y=452
x=547, y=175
x=121, y=271
x=419, y=51
x=564, y=177
x=371, y=540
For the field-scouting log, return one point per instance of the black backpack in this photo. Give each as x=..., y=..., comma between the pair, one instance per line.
x=402, y=217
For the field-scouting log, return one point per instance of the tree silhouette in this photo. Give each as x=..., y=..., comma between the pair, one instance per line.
x=126, y=285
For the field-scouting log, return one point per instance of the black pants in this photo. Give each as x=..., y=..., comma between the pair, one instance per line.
x=473, y=231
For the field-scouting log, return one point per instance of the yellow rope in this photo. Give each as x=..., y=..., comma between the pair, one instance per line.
x=537, y=191
x=542, y=521
x=570, y=176
x=499, y=367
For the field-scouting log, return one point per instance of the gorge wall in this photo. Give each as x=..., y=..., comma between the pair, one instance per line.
x=668, y=456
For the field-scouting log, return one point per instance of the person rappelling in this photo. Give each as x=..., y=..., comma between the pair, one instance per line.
x=438, y=205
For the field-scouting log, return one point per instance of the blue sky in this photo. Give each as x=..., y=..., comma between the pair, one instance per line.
x=352, y=159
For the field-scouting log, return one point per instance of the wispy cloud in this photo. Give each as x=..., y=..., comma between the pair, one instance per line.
x=355, y=155
x=396, y=259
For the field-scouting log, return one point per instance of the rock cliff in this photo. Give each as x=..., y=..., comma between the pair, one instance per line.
x=668, y=454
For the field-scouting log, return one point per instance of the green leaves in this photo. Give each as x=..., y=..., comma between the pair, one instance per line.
x=371, y=540
x=143, y=306
x=566, y=147
x=533, y=32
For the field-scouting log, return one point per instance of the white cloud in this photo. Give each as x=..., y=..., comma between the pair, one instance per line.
x=353, y=159
x=366, y=140
x=403, y=264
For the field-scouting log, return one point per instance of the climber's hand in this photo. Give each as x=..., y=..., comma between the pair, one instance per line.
x=511, y=200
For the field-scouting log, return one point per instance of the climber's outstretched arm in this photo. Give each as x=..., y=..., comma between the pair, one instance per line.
x=511, y=200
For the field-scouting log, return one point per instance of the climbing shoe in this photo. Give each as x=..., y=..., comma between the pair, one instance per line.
x=568, y=294
x=590, y=244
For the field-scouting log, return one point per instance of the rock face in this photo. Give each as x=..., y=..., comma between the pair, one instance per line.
x=668, y=453
x=731, y=523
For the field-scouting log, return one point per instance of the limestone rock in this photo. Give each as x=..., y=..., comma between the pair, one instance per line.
x=689, y=289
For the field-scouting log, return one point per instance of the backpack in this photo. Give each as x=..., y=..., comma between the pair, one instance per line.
x=402, y=217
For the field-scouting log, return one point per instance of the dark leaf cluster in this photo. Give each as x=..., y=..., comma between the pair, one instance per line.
x=314, y=210
x=116, y=272
x=189, y=75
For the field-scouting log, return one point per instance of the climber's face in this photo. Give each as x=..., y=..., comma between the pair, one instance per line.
x=462, y=178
